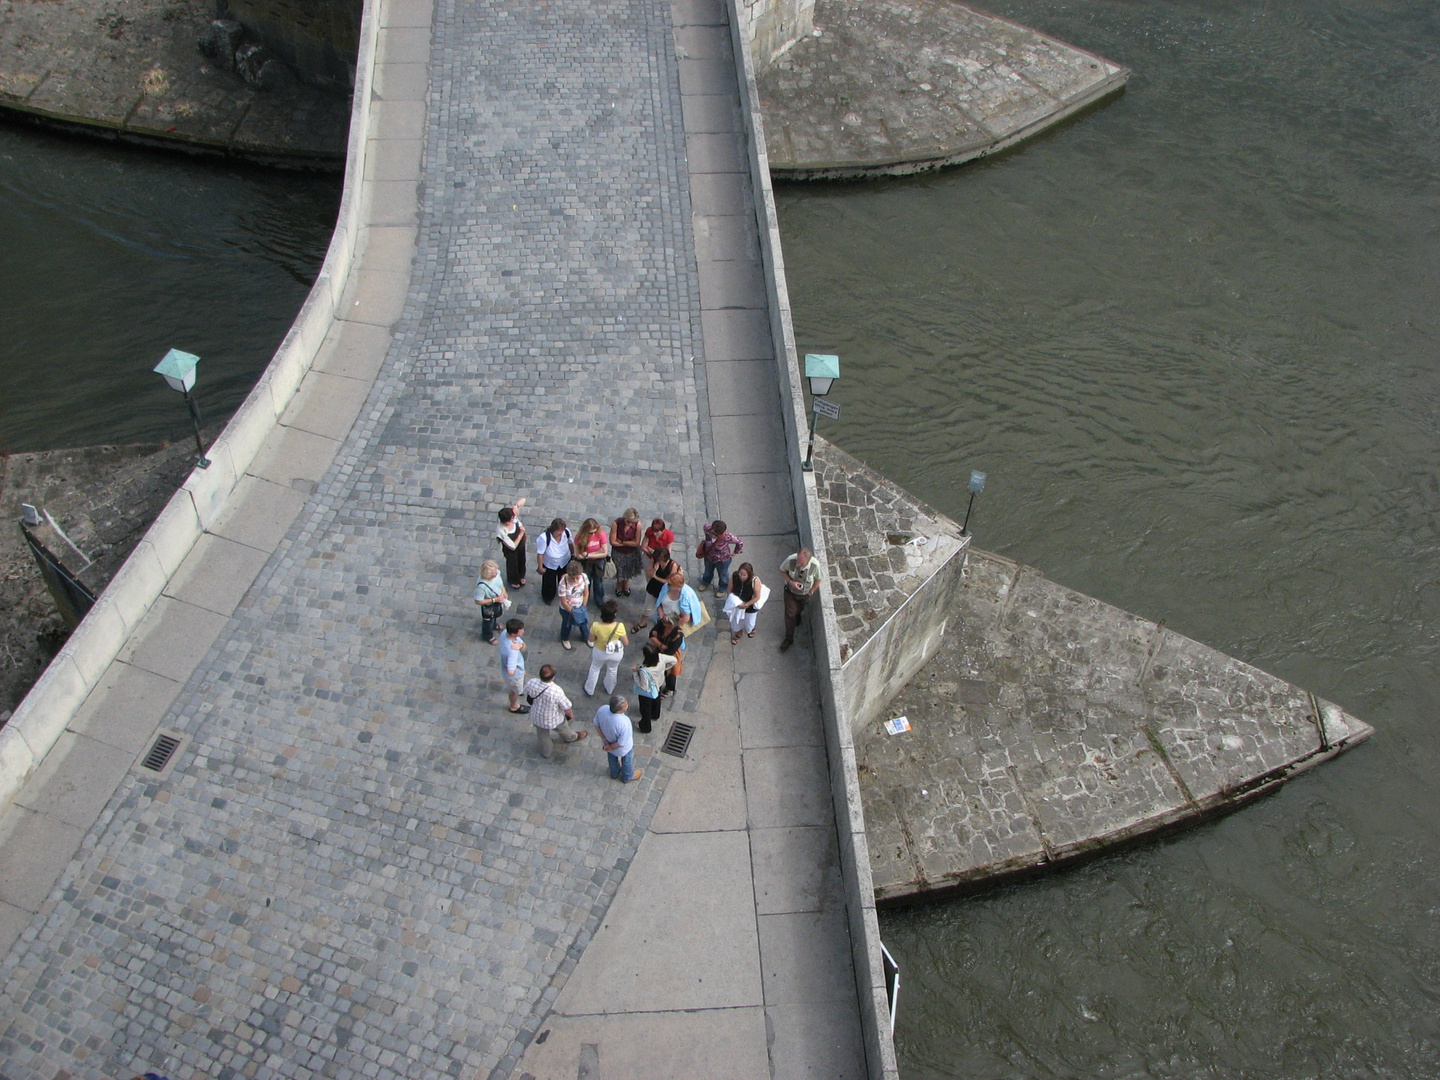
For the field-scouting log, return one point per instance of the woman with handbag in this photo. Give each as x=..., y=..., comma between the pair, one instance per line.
x=490, y=594
x=592, y=548
x=607, y=647
x=669, y=640
x=573, y=591
x=747, y=596
x=650, y=677
x=680, y=604
x=625, y=549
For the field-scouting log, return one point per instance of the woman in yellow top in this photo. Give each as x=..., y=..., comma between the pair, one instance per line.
x=607, y=647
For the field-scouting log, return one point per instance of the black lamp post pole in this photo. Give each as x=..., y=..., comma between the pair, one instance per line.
x=203, y=462
x=808, y=465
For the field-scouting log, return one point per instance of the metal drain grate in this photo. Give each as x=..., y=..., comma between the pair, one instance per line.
x=677, y=740
x=161, y=753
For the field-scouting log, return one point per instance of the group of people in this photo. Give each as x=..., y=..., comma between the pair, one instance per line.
x=574, y=568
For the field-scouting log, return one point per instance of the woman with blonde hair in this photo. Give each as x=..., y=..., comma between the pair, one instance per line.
x=490, y=594
x=592, y=548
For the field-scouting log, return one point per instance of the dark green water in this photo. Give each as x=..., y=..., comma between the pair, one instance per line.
x=1192, y=338
x=109, y=256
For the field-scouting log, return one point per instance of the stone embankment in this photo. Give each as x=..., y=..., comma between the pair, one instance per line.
x=1045, y=725
x=133, y=70
x=879, y=87
x=104, y=498
x=889, y=87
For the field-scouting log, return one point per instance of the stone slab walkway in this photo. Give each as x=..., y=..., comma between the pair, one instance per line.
x=357, y=864
x=888, y=87
x=1051, y=726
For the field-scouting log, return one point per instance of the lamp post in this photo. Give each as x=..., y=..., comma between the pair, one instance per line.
x=977, y=485
x=178, y=368
x=822, y=369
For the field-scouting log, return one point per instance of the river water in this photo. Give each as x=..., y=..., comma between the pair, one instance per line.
x=1192, y=338
x=110, y=255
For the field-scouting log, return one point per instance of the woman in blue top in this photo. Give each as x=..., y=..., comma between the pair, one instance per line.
x=678, y=602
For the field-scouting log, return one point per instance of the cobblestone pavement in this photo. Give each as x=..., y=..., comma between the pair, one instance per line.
x=358, y=865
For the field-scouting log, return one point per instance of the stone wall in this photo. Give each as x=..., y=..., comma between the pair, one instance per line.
x=864, y=924
x=318, y=39
x=896, y=572
x=772, y=26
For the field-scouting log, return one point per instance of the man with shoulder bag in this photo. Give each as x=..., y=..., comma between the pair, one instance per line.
x=550, y=712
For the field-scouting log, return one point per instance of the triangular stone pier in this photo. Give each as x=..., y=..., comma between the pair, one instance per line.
x=1046, y=725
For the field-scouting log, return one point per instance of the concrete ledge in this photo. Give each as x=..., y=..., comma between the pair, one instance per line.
x=52, y=703
x=880, y=1061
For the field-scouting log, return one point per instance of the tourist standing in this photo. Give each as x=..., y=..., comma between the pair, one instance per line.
x=716, y=550
x=574, y=593
x=607, y=647
x=668, y=640
x=801, y=574
x=625, y=537
x=747, y=596
x=512, y=663
x=491, y=597
x=550, y=711
x=511, y=535
x=592, y=547
x=553, y=552
x=657, y=536
x=662, y=568
x=618, y=739
x=679, y=602
x=649, y=683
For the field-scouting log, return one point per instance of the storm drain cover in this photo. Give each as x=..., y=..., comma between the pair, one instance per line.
x=677, y=740
x=161, y=753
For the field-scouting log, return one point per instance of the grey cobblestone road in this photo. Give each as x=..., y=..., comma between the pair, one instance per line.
x=359, y=866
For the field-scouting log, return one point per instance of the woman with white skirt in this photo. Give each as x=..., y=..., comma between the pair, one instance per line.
x=747, y=596
x=607, y=647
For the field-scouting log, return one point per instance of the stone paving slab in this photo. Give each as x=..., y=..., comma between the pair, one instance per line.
x=1051, y=726
x=887, y=87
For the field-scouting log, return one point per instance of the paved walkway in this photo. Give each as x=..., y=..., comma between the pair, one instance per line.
x=359, y=865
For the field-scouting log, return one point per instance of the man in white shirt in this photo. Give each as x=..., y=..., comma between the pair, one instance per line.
x=614, y=728
x=553, y=552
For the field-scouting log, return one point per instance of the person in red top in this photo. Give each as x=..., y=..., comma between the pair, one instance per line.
x=657, y=538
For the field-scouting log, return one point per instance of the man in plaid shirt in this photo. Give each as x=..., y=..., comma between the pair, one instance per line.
x=550, y=711
x=717, y=549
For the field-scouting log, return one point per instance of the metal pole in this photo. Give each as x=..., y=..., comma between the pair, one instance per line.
x=966, y=524
x=808, y=465
x=203, y=462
